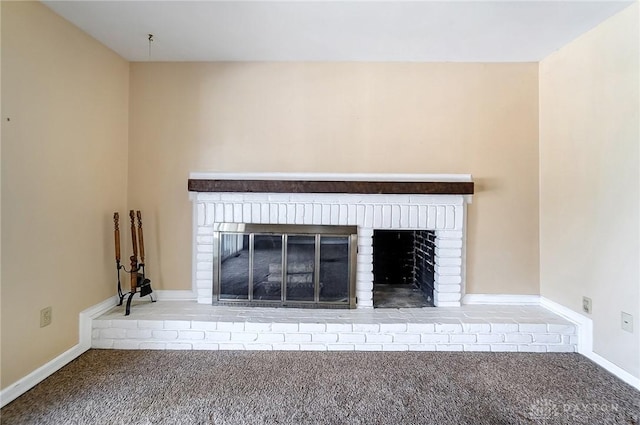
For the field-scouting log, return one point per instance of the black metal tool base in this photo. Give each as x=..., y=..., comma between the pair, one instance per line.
x=143, y=283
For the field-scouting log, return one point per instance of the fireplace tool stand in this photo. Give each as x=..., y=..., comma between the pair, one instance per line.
x=139, y=282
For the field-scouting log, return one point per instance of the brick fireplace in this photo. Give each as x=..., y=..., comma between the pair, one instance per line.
x=422, y=202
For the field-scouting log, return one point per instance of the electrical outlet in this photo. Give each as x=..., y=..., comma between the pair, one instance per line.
x=627, y=322
x=586, y=305
x=45, y=317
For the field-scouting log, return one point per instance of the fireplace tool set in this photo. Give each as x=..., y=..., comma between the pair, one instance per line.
x=139, y=282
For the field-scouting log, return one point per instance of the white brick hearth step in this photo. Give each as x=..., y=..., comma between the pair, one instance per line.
x=187, y=325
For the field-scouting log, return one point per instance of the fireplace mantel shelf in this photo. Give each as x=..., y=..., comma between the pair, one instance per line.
x=333, y=183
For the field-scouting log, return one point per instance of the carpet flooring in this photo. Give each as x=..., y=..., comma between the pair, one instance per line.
x=239, y=387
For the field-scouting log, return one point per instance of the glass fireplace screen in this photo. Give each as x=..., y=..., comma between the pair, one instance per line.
x=284, y=265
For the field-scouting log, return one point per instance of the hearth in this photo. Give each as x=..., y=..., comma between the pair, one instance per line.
x=367, y=203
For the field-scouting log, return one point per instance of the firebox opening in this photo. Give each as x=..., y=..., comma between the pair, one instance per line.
x=403, y=268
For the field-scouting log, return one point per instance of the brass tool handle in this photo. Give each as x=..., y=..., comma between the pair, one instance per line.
x=116, y=234
x=133, y=235
x=140, y=236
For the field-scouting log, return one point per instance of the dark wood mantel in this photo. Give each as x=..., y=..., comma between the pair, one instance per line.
x=322, y=186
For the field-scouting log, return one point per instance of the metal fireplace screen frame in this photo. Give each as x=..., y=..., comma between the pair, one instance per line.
x=248, y=232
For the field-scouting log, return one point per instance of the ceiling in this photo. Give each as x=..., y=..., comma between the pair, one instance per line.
x=379, y=31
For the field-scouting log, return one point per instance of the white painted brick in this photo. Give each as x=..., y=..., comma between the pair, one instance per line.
x=440, y=217
x=124, y=324
x=205, y=266
x=476, y=327
x=230, y=326
x=246, y=212
x=177, y=324
x=448, y=252
x=422, y=347
x=179, y=346
x=95, y=333
x=204, y=325
x=286, y=347
x=206, y=258
x=448, y=327
x=395, y=347
x=561, y=329
x=139, y=333
x=377, y=216
x=257, y=327
x=217, y=336
x=449, y=261
x=447, y=270
x=297, y=337
x=504, y=347
x=476, y=347
x=204, y=240
x=126, y=344
x=270, y=337
x=365, y=234
x=351, y=338
x=386, y=216
x=243, y=336
x=256, y=210
x=152, y=346
x=324, y=337
x=464, y=338
x=420, y=327
x=102, y=343
x=308, y=213
x=431, y=217
x=366, y=327
x=313, y=327
x=368, y=347
x=284, y=327
x=258, y=347
x=282, y=213
x=164, y=334
x=394, y=327
x=532, y=327
x=112, y=333
x=326, y=214
x=449, y=347
x=446, y=299
x=561, y=349
x=518, y=337
x=230, y=346
x=218, y=210
x=378, y=338
x=313, y=347
x=334, y=214
x=200, y=214
x=413, y=216
x=449, y=289
x=573, y=339
x=339, y=327
x=406, y=338
x=369, y=216
x=530, y=348
x=340, y=347
x=504, y=327
x=435, y=338
x=237, y=213
x=100, y=324
x=191, y=334
x=448, y=243
x=204, y=248
x=446, y=279
x=203, y=274
x=547, y=338
x=490, y=338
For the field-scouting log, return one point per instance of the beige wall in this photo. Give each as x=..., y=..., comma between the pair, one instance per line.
x=590, y=182
x=64, y=170
x=350, y=117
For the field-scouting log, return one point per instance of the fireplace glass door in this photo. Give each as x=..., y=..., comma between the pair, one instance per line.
x=278, y=265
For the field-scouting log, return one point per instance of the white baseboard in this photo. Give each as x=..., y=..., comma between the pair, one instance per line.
x=500, y=299
x=616, y=370
x=175, y=295
x=23, y=385
x=585, y=340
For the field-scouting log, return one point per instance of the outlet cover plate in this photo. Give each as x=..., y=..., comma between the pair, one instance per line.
x=45, y=317
x=586, y=305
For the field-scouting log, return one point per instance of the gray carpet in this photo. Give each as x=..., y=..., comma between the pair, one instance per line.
x=209, y=387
